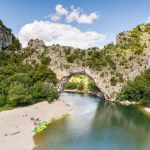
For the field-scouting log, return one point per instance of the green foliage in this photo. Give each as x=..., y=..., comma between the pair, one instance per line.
x=45, y=60
x=92, y=86
x=133, y=41
x=71, y=85
x=22, y=84
x=70, y=58
x=2, y=100
x=138, y=89
x=67, y=51
x=93, y=57
x=81, y=83
x=18, y=81
x=19, y=95
x=42, y=73
x=6, y=107
x=53, y=94
x=97, y=59
x=41, y=92
x=147, y=28
x=117, y=78
x=80, y=86
x=113, y=81
x=15, y=45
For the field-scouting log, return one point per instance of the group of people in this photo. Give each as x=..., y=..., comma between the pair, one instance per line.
x=36, y=121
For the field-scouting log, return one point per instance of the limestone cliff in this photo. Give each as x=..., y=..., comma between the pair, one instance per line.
x=110, y=67
x=6, y=36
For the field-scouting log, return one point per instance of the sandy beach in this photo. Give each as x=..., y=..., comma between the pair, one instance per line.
x=16, y=126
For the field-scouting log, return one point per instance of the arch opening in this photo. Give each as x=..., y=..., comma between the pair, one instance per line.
x=80, y=82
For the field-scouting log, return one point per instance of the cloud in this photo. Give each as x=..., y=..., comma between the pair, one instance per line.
x=74, y=14
x=55, y=17
x=55, y=33
x=61, y=10
x=88, y=19
x=148, y=20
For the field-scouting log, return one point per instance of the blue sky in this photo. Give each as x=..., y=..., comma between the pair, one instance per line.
x=113, y=16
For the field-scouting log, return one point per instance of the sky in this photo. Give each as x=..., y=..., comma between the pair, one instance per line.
x=77, y=23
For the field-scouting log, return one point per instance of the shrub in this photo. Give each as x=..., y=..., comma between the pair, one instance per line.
x=45, y=60
x=80, y=86
x=41, y=92
x=71, y=85
x=19, y=95
x=2, y=100
x=15, y=45
x=113, y=81
x=138, y=89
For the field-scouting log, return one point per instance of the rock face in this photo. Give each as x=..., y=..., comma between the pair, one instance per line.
x=134, y=64
x=6, y=36
x=35, y=43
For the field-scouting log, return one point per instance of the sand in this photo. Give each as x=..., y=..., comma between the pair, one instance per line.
x=16, y=126
x=147, y=109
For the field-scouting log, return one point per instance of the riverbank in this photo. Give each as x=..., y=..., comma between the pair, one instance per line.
x=144, y=109
x=147, y=109
x=98, y=94
x=16, y=126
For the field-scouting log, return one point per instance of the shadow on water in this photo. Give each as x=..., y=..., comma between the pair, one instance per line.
x=97, y=124
x=125, y=120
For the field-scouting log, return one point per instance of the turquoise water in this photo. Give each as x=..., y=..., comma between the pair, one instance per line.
x=97, y=125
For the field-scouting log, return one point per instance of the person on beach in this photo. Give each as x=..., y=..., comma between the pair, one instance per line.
x=36, y=121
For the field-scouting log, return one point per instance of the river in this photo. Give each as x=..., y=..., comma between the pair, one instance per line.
x=97, y=125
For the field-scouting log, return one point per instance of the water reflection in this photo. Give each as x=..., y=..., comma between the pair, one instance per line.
x=97, y=124
x=128, y=121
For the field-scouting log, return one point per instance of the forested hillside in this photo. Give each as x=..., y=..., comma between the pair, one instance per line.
x=23, y=84
x=26, y=75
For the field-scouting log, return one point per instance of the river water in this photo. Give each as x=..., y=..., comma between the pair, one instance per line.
x=97, y=125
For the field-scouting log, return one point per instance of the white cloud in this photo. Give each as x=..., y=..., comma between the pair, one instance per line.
x=88, y=19
x=55, y=33
x=74, y=14
x=148, y=20
x=60, y=10
x=55, y=17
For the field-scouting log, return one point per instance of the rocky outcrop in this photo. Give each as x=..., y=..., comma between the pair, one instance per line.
x=6, y=36
x=128, y=64
x=35, y=43
x=123, y=38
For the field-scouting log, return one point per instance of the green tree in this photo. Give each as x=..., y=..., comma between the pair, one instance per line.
x=80, y=86
x=113, y=81
x=2, y=100
x=19, y=95
x=41, y=92
x=15, y=45
x=138, y=89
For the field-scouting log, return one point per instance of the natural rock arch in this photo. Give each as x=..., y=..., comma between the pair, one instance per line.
x=65, y=79
x=64, y=69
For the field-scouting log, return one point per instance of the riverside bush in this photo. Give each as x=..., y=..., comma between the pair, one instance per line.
x=138, y=89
